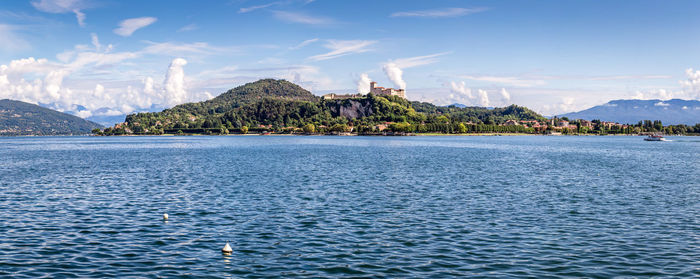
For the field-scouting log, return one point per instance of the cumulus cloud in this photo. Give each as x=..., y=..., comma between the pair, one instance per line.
x=483, y=98
x=446, y=12
x=565, y=105
x=394, y=68
x=460, y=93
x=48, y=87
x=129, y=26
x=363, y=84
x=83, y=113
x=341, y=48
x=175, y=82
x=61, y=7
x=692, y=83
x=395, y=74
x=505, y=96
x=461, y=89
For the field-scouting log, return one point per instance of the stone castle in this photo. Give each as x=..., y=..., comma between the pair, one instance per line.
x=379, y=91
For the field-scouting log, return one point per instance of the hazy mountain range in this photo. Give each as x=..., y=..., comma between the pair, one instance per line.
x=670, y=112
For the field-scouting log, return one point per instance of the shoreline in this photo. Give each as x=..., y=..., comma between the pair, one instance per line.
x=353, y=135
x=411, y=135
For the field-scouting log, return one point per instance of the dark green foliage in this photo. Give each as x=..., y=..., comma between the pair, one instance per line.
x=280, y=106
x=20, y=118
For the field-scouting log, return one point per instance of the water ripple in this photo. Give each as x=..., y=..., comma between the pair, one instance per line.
x=349, y=207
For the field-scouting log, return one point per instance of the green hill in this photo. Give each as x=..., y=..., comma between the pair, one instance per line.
x=279, y=105
x=20, y=118
x=248, y=94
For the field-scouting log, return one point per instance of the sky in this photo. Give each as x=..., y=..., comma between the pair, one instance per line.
x=111, y=57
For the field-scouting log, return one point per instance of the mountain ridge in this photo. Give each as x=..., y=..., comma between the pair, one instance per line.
x=21, y=118
x=631, y=111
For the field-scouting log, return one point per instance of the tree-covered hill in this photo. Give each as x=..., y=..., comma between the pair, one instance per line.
x=20, y=118
x=248, y=94
x=279, y=105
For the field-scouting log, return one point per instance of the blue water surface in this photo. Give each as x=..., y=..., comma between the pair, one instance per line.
x=392, y=207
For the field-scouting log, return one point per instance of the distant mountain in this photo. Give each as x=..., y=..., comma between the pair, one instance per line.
x=107, y=120
x=20, y=118
x=457, y=105
x=108, y=117
x=670, y=112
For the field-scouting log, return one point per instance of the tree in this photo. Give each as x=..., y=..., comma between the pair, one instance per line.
x=339, y=128
x=309, y=128
x=244, y=130
x=461, y=128
x=96, y=131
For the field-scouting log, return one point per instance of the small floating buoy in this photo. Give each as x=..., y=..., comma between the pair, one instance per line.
x=165, y=216
x=227, y=249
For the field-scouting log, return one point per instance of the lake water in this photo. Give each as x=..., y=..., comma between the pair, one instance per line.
x=531, y=206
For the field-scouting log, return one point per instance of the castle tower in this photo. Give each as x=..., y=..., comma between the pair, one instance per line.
x=372, y=85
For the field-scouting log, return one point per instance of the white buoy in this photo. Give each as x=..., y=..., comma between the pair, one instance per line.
x=227, y=249
x=165, y=216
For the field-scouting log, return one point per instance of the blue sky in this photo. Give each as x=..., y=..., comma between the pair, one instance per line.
x=115, y=57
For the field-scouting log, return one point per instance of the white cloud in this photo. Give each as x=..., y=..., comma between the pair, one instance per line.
x=394, y=68
x=692, y=84
x=41, y=81
x=148, y=86
x=83, y=113
x=176, y=49
x=61, y=7
x=395, y=74
x=363, y=84
x=661, y=104
x=304, y=43
x=483, y=98
x=96, y=41
x=9, y=40
x=461, y=89
x=80, y=16
x=295, y=17
x=129, y=26
x=446, y=12
x=690, y=89
x=175, y=82
x=341, y=48
x=253, y=8
x=418, y=60
x=565, y=105
x=505, y=96
x=271, y=60
x=188, y=27
x=460, y=93
x=627, y=77
x=512, y=81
